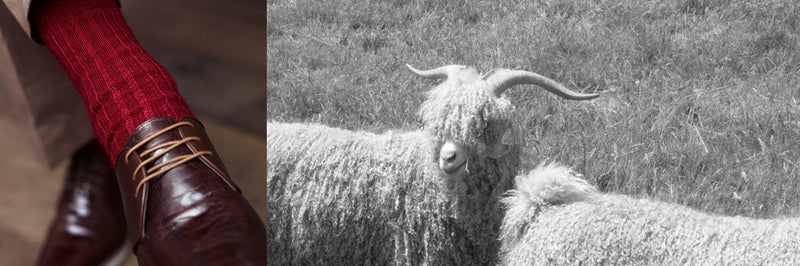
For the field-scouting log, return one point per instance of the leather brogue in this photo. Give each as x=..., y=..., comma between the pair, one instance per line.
x=181, y=206
x=89, y=225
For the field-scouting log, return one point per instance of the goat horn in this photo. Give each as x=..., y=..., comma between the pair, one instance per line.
x=437, y=73
x=502, y=79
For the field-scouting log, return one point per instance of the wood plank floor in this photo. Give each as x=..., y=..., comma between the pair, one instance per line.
x=216, y=52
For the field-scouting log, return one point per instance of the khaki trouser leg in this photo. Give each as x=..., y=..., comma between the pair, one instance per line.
x=47, y=104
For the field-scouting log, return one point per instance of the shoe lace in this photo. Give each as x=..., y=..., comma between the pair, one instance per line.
x=165, y=166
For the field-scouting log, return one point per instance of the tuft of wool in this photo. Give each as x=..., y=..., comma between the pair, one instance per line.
x=552, y=184
x=339, y=197
x=590, y=228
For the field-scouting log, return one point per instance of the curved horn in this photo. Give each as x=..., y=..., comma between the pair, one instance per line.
x=437, y=73
x=502, y=79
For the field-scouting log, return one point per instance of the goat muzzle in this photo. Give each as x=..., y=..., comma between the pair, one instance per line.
x=452, y=158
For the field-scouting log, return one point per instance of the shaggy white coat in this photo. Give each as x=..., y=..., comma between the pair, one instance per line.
x=340, y=197
x=554, y=217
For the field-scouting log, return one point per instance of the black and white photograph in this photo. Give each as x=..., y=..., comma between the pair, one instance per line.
x=577, y=132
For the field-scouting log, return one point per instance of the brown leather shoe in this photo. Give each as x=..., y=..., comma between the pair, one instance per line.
x=181, y=206
x=89, y=226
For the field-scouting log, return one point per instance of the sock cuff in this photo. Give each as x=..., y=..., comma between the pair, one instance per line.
x=45, y=14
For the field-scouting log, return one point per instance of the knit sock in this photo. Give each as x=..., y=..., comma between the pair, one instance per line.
x=121, y=85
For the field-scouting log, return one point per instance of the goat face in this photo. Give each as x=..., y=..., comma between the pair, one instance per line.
x=470, y=124
x=470, y=116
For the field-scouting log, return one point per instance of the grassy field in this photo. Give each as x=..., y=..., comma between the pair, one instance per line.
x=699, y=100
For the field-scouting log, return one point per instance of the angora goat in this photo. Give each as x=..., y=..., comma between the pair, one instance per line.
x=426, y=197
x=555, y=218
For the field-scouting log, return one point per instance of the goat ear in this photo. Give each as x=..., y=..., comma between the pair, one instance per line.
x=498, y=150
x=502, y=147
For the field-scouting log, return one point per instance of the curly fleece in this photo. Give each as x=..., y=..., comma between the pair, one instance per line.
x=554, y=217
x=339, y=197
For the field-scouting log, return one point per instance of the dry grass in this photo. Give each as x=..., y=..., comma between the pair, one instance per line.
x=700, y=97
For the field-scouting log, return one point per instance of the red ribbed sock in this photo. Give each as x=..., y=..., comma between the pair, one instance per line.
x=121, y=85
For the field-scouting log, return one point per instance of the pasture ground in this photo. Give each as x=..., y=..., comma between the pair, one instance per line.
x=699, y=98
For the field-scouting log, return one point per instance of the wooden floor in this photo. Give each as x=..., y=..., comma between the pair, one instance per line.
x=216, y=52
